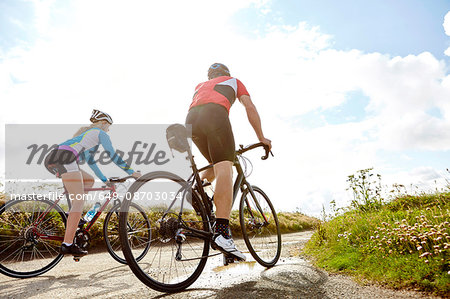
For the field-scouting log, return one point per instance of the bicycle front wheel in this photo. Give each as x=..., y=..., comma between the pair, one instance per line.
x=260, y=227
x=139, y=234
x=180, y=236
x=31, y=232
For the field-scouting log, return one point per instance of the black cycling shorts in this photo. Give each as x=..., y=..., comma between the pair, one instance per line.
x=211, y=132
x=60, y=161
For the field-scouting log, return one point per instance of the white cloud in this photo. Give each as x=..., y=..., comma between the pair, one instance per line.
x=420, y=179
x=446, y=24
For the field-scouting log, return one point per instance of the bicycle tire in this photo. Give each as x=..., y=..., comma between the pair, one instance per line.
x=154, y=270
x=262, y=240
x=25, y=250
x=140, y=240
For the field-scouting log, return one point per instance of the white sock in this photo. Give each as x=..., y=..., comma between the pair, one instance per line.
x=67, y=244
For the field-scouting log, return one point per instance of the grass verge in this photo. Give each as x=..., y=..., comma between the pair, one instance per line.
x=2, y=198
x=289, y=223
x=404, y=243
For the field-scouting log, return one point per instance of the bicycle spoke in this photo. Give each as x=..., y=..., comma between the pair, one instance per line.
x=24, y=252
x=137, y=226
x=48, y=245
x=8, y=248
x=48, y=219
x=19, y=227
x=38, y=252
x=262, y=237
x=160, y=268
x=13, y=254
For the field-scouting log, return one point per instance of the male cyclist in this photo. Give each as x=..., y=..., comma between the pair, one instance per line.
x=212, y=133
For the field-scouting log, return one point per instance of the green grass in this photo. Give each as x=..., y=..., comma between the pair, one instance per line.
x=405, y=243
x=289, y=222
x=2, y=198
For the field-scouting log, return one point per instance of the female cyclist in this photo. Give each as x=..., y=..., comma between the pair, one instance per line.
x=63, y=162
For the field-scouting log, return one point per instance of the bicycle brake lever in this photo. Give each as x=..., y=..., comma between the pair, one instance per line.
x=267, y=153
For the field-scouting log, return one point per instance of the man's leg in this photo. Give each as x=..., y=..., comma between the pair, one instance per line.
x=223, y=194
x=223, y=198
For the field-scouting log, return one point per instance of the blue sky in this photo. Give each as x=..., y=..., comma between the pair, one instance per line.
x=340, y=85
x=400, y=27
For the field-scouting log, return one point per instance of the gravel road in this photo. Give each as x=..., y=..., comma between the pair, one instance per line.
x=99, y=276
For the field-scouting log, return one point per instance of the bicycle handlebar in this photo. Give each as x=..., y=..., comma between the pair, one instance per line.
x=252, y=146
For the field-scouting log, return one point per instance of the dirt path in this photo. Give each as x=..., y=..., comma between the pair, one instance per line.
x=99, y=276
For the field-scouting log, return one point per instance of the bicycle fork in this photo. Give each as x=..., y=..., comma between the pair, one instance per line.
x=258, y=207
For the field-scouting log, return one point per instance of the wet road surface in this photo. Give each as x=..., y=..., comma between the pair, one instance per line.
x=99, y=276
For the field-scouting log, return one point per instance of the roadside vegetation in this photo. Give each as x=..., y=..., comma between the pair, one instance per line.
x=290, y=222
x=403, y=243
x=2, y=198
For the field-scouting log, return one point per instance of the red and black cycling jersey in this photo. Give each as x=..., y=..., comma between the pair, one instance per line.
x=222, y=90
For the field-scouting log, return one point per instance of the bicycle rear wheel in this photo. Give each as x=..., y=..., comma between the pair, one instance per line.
x=31, y=232
x=179, y=236
x=139, y=234
x=260, y=227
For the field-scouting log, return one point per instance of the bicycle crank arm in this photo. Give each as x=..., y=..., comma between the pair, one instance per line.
x=200, y=257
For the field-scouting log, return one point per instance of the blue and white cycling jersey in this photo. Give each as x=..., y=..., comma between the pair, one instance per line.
x=86, y=144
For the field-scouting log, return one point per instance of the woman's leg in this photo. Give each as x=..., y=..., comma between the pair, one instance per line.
x=73, y=181
x=88, y=180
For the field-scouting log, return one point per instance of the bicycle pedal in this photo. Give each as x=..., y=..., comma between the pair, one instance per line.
x=228, y=260
x=76, y=258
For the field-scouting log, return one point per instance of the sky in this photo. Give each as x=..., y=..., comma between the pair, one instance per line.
x=340, y=85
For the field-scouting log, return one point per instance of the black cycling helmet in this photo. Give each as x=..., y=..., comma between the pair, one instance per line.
x=98, y=115
x=217, y=70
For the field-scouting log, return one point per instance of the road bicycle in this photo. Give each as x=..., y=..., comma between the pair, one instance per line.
x=182, y=233
x=32, y=228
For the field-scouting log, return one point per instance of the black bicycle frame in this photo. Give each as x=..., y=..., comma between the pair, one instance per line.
x=239, y=184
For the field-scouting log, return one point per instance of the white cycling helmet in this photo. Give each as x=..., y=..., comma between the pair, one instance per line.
x=97, y=115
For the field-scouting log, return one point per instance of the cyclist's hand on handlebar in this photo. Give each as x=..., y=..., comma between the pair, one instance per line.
x=136, y=174
x=267, y=142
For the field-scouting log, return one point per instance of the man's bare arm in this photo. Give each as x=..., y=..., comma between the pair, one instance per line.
x=254, y=119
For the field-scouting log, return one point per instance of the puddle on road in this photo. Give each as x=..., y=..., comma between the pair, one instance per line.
x=240, y=267
x=217, y=276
